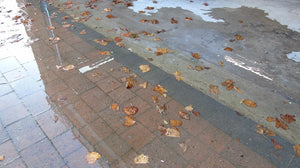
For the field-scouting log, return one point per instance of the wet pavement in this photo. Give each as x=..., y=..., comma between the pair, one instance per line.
x=52, y=116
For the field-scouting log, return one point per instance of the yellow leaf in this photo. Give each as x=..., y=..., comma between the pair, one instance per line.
x=115, y=107
x=175, y=123
x=179, y=78
x=157, y=39
x=249, y=103
x=2, y=157
x=172, y=132
x=297, y=150
x=141, y=159
x=92, y=157
x=145, y=68
x=129, y=121
x=104, y=53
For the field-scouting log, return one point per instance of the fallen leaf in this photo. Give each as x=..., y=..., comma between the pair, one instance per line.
x=157, y=39
x=197, y=113
x=205, y=4
x=288, y=118
x=107, y=9
x=143, y=85
x=260, y=129
x=130, y=82
x=104, y=53
x=120, y=44
x=249, y=103
x=173, y=21
x=198, y=68
x=184, y=115
x=222, y=63
x=239, y=37
x=162, y=129
x=125, y=70
x=196, y=55
x=188, y=18
x=161, y=51
x=270, y=119
x=276, y=144
x=149, y=8
x=129, y=121
x=166, y=122
x=160, y=89
x=281, y=124
x=65, y=17
x=172, y=132
x=67, y=25
x=98, y=18
x=68, y=67
x=83, y=32
x=118, y=39
x=229, y=84
x=189, y=108
x=270, y=133
x=237, y=89
x=179, y=78
x=141, y=159
x=130, y=110
x=2, y=157
x=115, y=107
x=92, y=157
x=51, y=27
x=142, y=12
x=154, y=1
x=214, y=89
x=228, y=49
x=155, y=99
x=240, y=21
x=297, y=150
x=161, y=108
x=183, y=146
x=190, y=67
x=144, y=68
x=175, y=123
x=110, y=16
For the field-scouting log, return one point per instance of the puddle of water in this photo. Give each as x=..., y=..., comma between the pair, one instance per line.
x=294, y=56
x=287, y=13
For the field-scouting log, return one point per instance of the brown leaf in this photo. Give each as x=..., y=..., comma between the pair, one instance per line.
x=205, y=4
x=228, y=49
x=249, y=103
x=281, y=124
x=276, y=144
x=160, y=89
x=239, y=37
x=141, y=159
x=120, y=44
x=173, y=21
x=184, y=115
x=288, y=118
x=270, y=133
x=51, y=27
x=297, y=150
x=188, y=18
x=144, y=68
x=104, y=53
x=130, y=110
x=118, y=39
x=98, y=18
x=162, y=129
x=140, y=12
x=161, y=108
x=229, y=84
x=155, y=99
x=92, y=157
x=222, y=63
x=157, y=39
x=110, y=16
x=175, y=123
x=196, y=55
x=198, y=68
x=189, y=108
x=129, y=121
x=237, y=89
x=260, y=129
x=143, y=85
x=214, y=89
x=172, y=132
x=115, y=107
x=149, y=8
x=270, y=119
x=67, y=25
x=197, y=113
x=130, y=82
x=161, y=51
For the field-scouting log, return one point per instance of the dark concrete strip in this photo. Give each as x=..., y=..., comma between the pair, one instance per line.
x=217, y=114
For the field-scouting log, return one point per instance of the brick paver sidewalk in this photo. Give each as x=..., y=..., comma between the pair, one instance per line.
x=54, y=118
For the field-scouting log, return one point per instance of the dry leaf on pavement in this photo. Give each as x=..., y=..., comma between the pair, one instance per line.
x=184, y=115
x=130, y=82
x=276, y=144
x=249, y=103
x=172, y=132
x=162, y=129
x=131, y=110
x=229, y=84
x=68, y=67
x=239, y=37
x=263, y=130
x=92, y=157
x=175, y=123
x=288, y=118
x=141, y=159
x=173, y=21
x=183, y=146
x=144, y=68
x=197, y=113
x=228, y=49
x=115, y=107
x=160, y=89
x=129, y=121
x=189, y=108
x=297, y=150
x=143, y=85
x=104, y=53
x=83, y=32
x=2, y=157
x=196, y=55
x=281, y=124
x=110, y=16
x=270, y=119
x=214, y=89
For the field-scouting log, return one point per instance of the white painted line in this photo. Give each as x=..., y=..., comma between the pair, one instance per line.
x=241, y=64
x=95, y=65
